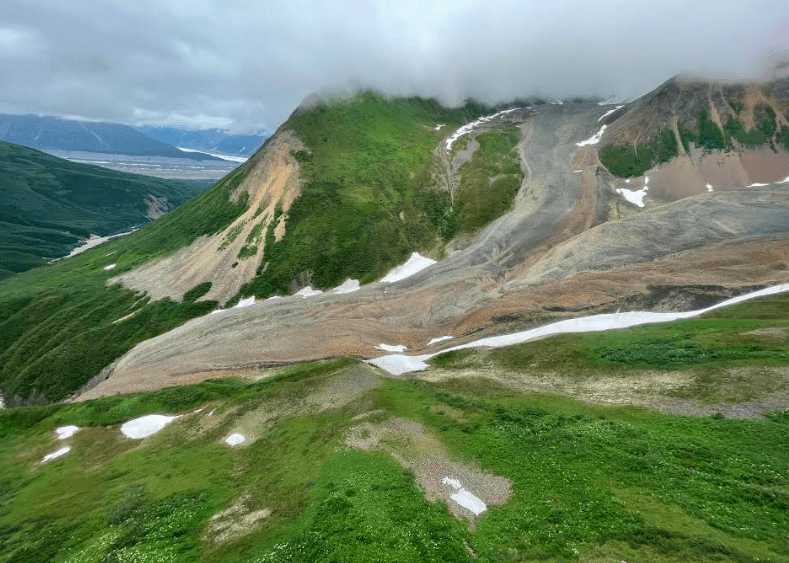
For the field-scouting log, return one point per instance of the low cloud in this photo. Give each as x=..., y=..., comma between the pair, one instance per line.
x=247, y=64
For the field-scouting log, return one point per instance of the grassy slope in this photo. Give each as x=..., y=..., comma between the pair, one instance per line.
x=490, y=180
x=49, y=203
x=366, y=203
x=590, y=483
x=57, y=323
x=748, y=335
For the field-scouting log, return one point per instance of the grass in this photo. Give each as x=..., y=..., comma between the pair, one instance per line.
x=367, y=201
x=61, y=324
x=753, y=336
x=590, y=483
x=627, y=161
x=490, y=180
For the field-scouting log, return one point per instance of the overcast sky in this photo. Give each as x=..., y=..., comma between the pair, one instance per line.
x=247, y=64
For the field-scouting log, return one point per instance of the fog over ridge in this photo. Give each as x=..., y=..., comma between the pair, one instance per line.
x=244, y=65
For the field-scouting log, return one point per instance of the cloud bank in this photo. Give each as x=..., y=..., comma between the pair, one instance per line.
x=246, y=65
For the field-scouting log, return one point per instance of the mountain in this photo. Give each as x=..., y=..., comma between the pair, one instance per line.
x=405, y=332
x=54, y=133
x=47, y=204
x=206, y=140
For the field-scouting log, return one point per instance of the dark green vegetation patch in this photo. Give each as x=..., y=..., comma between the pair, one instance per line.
x=61, y=324
x=627, y=161
x=48, y=204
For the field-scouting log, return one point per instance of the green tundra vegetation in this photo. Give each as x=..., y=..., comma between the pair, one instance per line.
x=627, y=161
x=369, y=199
x=61, y=324
x=48, y=204
x=590, y=483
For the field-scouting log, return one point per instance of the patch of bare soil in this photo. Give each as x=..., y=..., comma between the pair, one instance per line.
x=676, y=179
x=235, y=522
x=744, y=392
x=765, y=165
x=413, y=447
x=272, y=179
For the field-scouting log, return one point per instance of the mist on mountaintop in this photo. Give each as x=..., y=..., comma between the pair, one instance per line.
x=246, y=65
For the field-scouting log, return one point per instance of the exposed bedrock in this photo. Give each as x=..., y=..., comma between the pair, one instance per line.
x=552, y=252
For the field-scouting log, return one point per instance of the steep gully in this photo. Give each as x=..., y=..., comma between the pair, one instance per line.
x=517, y=267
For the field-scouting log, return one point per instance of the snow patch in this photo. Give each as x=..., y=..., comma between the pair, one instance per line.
x=235, y=439
x=348, y=286
x=57, y=454
x=215, y=311
x=145, y=426
x=594, y=139
x=110, y=267
x=65, y=432
x=246, y=302
x=609, y=112
x=784, y=181
x=636, y=197
x=398, y=364
x=390, y=348
x=709, y=188
x=467, y=128
x=449, y=482
x=470, y=501
x=439, y=126
x=274, y=297
x=308, y=292
x=757, y=185
x=439, y=339
x=415, y=263
x=89, y=243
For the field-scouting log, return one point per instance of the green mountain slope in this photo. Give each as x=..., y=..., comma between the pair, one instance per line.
x=47, y=204
x=61, y=324
x=340, y=464
x=368, y=197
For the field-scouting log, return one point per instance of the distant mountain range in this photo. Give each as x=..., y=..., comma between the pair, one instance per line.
x=206, y=140
x=54, y=133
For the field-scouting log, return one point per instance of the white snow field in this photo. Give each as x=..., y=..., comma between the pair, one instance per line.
x=439, y=339
x=235, y=439
x=469, y=127
x=391, y=348
x=609, y=112
x=416, y=263
x=464, y=497
x=636, y=197
x=145, y=426
x=246, y=302
x=398, y=364
x=348, y=286
x=89, y=243
x=66, y=432
x=594, y=139
x=308, y=292
x=55, y=455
